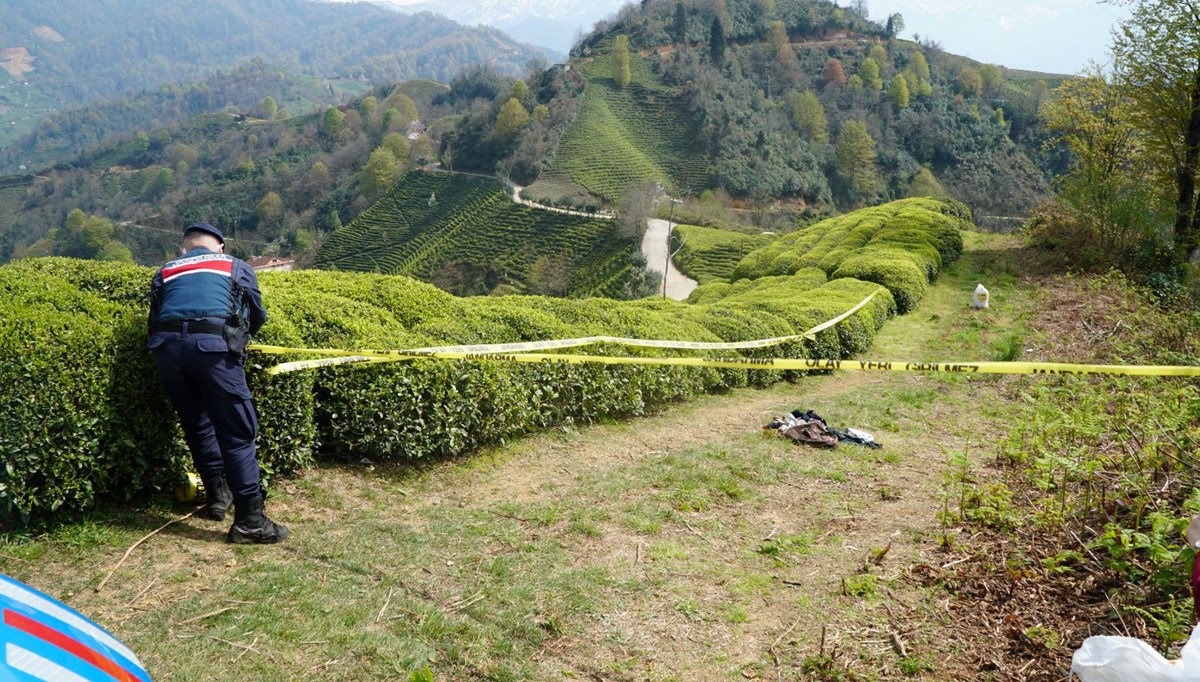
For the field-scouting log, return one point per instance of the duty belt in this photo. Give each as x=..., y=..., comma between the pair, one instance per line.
x=190, y=327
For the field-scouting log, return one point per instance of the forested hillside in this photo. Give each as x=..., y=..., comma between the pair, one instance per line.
x=275, y=185
x=795, y=103
x=63, y=53
x=792, y=99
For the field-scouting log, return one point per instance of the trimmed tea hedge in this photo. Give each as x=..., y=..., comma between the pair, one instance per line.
x=901, y=245
x=84, y=415
x=709, y=254
x=431, y=220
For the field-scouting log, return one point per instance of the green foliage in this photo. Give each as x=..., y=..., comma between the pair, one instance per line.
x=1097, y=460
x=855, y=154
x=808, y=115
x=1110, y=200
x=970, y=82
x=431, y=221
x=86, y=418
x=901, y=245
x=267, y=108
x=1153, y=60
x=869, y=72
x=898, y=92
x=331, y=123
x=511, y=118
x=327, y=50
x=379, y=174
x=710, y=254
x=926, y=184
x=84, y=236
x=620, y=61
x=630, y=135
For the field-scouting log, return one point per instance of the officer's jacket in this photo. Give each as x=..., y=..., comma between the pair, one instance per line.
x=202, y=285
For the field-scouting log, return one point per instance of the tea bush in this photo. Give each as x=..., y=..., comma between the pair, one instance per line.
x=84, y=415
x=901, y=245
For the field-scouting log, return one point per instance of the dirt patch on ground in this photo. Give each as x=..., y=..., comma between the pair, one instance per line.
x=16, y=61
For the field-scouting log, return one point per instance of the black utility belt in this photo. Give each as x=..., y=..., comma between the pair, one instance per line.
x=190, y=327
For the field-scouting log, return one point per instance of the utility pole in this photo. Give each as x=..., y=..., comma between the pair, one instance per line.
x=670, y=229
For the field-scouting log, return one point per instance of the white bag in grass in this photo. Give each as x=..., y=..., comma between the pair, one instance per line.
x=1127, y=659
x=980, y=298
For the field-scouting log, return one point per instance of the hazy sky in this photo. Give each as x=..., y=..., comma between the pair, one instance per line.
x=1058, y=36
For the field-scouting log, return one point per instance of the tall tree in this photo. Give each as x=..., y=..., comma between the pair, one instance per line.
x=898, y=91
x=990, y=78
x=970, y=82
x=880, y=55
x=379, y=174
x=512, y=117
x=855, y=157
x=926, y=184
x=1108, y=193
x=918, y=76
x=267, y=108
x=520, y=90
x=269, y=210
x=1155, y=57
x=620, y=61
x=680, y=26
x=869, y=72
x=834, y=74
x=716, y=45
x=777, y=35
x=83, y=236
x=331, y=123
x=809, y=117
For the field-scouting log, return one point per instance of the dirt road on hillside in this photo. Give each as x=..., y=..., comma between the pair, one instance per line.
x=654, y=248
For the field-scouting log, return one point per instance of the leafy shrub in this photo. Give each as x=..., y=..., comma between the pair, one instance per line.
x=901, y=245
x=85, y=417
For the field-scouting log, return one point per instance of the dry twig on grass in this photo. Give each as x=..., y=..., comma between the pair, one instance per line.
x=206, y=615
x=135, y=546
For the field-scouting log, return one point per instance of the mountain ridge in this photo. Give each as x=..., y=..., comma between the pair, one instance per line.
x=178, y=41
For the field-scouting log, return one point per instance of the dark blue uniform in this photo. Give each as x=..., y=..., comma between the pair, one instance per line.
x=192, y=299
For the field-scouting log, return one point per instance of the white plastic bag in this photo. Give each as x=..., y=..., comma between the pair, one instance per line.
x=1127, y=659
x=980, y=299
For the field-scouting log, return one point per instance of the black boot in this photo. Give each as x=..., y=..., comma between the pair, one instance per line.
x=217, y=496
x=251, y=526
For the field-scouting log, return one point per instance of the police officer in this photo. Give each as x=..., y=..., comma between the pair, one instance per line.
x=204, y=306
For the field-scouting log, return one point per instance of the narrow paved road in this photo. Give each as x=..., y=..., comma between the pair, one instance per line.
x=654, y=247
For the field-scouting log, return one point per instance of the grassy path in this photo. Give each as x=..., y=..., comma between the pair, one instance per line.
x=689, y=545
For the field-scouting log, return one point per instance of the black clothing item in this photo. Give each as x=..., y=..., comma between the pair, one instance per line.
x=807, y=416
x=218, y=497
x=251, y=526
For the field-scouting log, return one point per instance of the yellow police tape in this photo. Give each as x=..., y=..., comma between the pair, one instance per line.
x=373, y=356
x=525, y=346
x=554, y=344
x=519, y=352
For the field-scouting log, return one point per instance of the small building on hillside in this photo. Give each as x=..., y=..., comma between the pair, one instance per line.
x=266, y=263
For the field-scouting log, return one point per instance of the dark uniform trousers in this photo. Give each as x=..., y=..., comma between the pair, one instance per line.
x=207, y=386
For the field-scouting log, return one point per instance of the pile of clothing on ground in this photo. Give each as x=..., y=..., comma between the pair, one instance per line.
x=810, y=428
